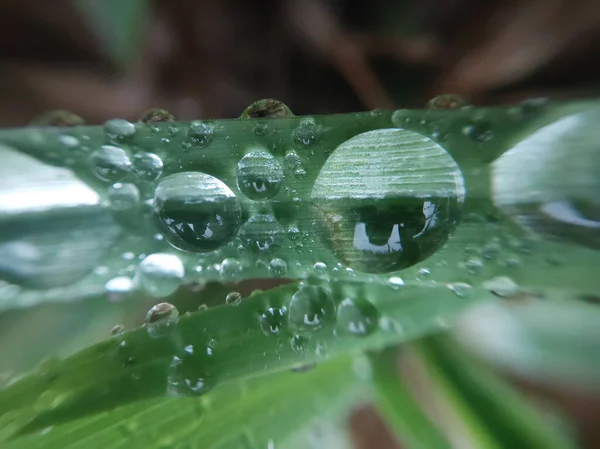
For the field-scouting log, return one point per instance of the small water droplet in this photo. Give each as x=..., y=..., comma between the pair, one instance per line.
x=311, y=307
x=68, y=141
x=118, y=287
x=266, y=108
x=118, y=129
x=320, y=268
x=200, y=135
x=479, y=132
x=187, y=375
x=447, y=101
x=58, y=117
x=424, y=272
x=299, y=343
x=123, y=196
x=196, y=211
x=460, y=289
x=261, y=233
x=160, y=274
x=292, y=161
x=233, y=298
x=300, y=174
x=110, y=163
x=307, y=133
x=147, y=166
x=357, y=316
x=278, y=267
x=230, y=269
x=474, y=265
x=259, y=175
x=273, y=320
x=396, y=282
x=156, y=115
x=160, y=317
x=117, y=330
x=502, y=286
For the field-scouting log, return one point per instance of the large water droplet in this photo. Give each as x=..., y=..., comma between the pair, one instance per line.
x=357, y=316
x=278, y=267
x=259, y=175
x=230, y=269
x=123, y=196
x=147, y=166
x=110, y=163
x=196, y=211
x=160, y=318
x=273, y=320
x=160, y=274
x=266, y=108
x=233, y=298
x=394, y=206
x=311, y=307
x=549, y=182
x=261, y=233
x=187, y=374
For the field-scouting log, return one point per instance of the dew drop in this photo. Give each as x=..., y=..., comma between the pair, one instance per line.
x=307, y=133
x=394, y=206
x=68, y=141
x=396, y=282
x=123, y=196
x=474, y=265
x=147, y=166
x=187, y=375
x=233, y=298
x=199, y=135
x=266, y=108
x=157, y=115
x=299, y=343
x=292, y=161
x=447, y=101
x=357, y=316
x=118, y=286
x=259, y=175
x=319, y=268
x=196, y=211
x=110, y=163
x=502, y=286
x=278, y=267
x=261, y=233
x=460, y=289
x=230, y=269
x=273, y=320
x=479, y=132
x=311, y=307
x=117, y=330
x=161, y=317
x=118, y=129
x=160, y=274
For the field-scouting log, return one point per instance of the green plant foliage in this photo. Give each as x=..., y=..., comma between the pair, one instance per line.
x=381, y=227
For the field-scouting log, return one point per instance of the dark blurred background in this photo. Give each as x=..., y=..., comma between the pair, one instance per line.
x=206, y=58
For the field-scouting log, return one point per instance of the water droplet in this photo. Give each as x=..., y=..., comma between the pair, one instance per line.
x=502, y=286
x=278, y=267
x=160, y=274
x=300, y=174
x=357, y=316
x=460, y=289
x=233, y=298
x=110, y=163
x=161, y=317
x=68, y=141
x=307, y=133
x=474, y=265
x=401, y=118
x=117, y=330
x=548, y=182
x=199, y=135
x=187, y=375
x=157, y=115
x=447, y=101
x=58, y=117
x=386, y=213
x=118, y=129
x=147, y=166
x=479, y=132
x=424, y=272
x=259, y=175
x=319, y=268
x=261, y=233
x=266, y=108
x=230, y=269
x=273, y=320
x=196, y=211
x=123, y=196
x=299, y=343
x=311, y=307
x=396, y=282
x=292, y=161
x=117, y=287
